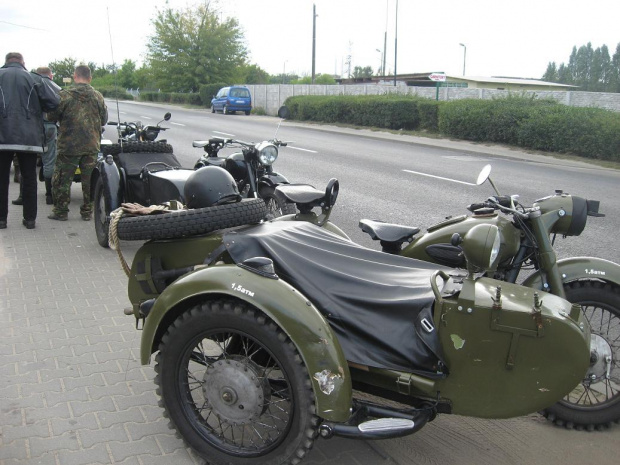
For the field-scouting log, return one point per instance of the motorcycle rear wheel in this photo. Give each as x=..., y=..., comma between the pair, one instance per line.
x=594, y=404
x=276, y=206
x=241, y=402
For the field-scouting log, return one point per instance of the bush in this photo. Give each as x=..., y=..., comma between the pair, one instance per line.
x=207, y=92
x=114, y=93
x=171, y=97
x=380, y=111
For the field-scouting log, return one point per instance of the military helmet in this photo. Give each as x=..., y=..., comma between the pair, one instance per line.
x=209, y=186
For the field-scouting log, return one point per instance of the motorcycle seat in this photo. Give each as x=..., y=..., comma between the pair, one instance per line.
x=301, y=193
x=388, y=232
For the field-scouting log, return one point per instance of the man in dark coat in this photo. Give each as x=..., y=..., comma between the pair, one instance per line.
x=24, y=97
x=80, y=114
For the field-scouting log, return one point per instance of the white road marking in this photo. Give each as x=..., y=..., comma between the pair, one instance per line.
x=303, y=150
x=177, y=124
x=145, y=117
x=439, y=177
x=225, y=133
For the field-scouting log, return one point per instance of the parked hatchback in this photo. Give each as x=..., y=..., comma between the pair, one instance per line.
x=232, y=99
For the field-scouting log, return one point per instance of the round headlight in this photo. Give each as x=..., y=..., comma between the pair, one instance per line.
x=481, y=247
x=267, y=153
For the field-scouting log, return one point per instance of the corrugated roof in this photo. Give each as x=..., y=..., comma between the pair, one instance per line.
x=509, y=80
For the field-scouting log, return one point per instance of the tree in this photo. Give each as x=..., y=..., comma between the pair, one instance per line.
x=551, y=75
x=63, y=69
x=359, y=72
x=252, y=74
x=192, y=47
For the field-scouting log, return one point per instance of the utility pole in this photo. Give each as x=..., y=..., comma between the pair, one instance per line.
x=385, y=38
x=314, y=15
x=396, y=44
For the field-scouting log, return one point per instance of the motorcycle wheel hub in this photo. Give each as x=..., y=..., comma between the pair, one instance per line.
x=235, y=390
x=601, y=359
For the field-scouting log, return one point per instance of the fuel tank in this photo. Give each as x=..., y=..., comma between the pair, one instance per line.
x=434, y=246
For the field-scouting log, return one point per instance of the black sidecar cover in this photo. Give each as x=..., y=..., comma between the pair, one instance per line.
x=375, y=302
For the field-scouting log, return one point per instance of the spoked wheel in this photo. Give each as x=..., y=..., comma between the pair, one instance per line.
x=276, y=205
x=595, y=403
x=235, y=387
x=102, y=224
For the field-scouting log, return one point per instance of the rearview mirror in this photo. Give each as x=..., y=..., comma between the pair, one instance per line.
x=484, y=175
x=284, y=112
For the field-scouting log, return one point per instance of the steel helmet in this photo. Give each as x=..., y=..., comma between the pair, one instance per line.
x=209, y=186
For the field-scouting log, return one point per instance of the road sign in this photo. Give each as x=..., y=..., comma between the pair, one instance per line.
x=439, y=77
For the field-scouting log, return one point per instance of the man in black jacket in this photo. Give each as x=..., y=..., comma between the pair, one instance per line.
x=24, y=96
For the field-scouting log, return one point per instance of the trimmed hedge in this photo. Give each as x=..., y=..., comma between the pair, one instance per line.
x=113, y=92
x=516, y=120
x=380, y=111
x=171, y=97
x=208, y=91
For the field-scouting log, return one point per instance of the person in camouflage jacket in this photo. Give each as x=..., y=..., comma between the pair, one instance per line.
x=81, y=114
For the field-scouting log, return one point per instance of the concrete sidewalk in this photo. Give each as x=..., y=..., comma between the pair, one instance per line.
x=72, y=390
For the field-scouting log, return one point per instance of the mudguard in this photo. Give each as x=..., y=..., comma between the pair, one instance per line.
x=112, y=185
x=272, y=180
x=574, y=268
x=285, y=305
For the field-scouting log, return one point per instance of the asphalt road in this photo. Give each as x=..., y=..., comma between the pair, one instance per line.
x=397, y=181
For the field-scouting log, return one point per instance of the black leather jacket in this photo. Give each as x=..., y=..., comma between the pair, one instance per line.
x=24, y=97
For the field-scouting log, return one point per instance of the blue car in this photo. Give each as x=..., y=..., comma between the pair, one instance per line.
x=232, y=99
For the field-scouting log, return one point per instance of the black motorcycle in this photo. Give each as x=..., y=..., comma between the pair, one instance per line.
x=252, y=168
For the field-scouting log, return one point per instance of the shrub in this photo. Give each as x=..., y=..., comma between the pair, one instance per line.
x=207, y=92
x=114, y=93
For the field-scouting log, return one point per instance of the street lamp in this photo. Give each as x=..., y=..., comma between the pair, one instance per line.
x=284, y=71
x=464, y=56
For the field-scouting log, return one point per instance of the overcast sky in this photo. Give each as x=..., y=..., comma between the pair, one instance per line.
x=502, y=38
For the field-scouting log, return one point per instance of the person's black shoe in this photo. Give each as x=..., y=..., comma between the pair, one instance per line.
x=28, y=223
x=57, y=217
x=18, y=201
x=48, y=199
x=2, y=224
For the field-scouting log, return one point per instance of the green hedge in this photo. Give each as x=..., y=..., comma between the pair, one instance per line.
x=516, y=120
x=171, y=97
x=114, y=92
x=380, y=111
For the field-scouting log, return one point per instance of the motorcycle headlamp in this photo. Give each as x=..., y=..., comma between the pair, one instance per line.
x=481, y=247
x=267, y=153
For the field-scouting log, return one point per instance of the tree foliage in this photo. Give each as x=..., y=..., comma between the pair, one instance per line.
x=591, y=69
x=192, y=47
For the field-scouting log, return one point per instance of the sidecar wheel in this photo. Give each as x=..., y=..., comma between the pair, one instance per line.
x=102, y=223
x=594, y=403
x=176, y=224
x=276, y=205
x=235, y=403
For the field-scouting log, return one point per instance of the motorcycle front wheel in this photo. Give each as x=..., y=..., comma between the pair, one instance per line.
x=595, y=403
x=235, y=387
x=102, y=223
x=276, y=205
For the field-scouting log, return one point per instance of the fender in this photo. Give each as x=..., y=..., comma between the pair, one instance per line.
x=272, y=179
x=285, y=305
x=575, y=268
x=112, y=184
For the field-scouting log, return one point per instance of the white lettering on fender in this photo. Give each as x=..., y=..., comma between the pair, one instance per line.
x=595, y=272
x=240, y=288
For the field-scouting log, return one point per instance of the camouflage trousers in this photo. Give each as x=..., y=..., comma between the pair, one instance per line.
x=62, y=179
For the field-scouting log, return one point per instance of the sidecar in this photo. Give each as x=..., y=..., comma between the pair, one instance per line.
x=269, y=335
x=137, y=174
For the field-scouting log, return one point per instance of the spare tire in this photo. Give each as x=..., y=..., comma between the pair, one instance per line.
x=136, y=147
x=181, y=223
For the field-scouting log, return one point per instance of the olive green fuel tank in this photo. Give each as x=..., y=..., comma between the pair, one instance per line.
x=434, y=246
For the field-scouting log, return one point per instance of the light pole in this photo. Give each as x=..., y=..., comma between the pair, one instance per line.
x=380, y=62
x=284, y=71
x=464, y=56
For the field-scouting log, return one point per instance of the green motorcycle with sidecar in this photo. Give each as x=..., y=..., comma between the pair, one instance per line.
x=527, y=235
x=270, y=335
